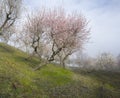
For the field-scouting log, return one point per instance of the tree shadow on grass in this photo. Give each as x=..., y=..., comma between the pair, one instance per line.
x=102, y=92
x=106, y=77
x=32, y=62
x=6, y=49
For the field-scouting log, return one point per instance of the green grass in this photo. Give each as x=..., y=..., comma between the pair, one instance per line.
x=109, y=82
x=16, y=70
x=18, y=80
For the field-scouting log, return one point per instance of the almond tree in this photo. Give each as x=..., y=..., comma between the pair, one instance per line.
x=67, y=33
x=9, y=12
x=105, y=61
x=34, y=32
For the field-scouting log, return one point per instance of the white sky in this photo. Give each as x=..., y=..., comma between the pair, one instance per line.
x=104, y=17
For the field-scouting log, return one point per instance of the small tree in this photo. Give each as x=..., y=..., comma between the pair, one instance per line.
x=9, y=12
x=34, y=32
x=84, y=61
x=67, y=33
x=105, y=61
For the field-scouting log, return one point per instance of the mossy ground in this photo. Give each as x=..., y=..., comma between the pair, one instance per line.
x=18, y=80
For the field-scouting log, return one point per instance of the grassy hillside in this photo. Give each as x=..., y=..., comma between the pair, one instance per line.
x=18, y=80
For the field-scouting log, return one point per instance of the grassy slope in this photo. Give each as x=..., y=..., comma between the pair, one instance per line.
x=18, y=80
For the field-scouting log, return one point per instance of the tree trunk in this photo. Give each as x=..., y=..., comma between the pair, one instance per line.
x=63, y=64
x=41, y=66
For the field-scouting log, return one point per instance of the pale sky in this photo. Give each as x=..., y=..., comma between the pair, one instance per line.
x=104, y=17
